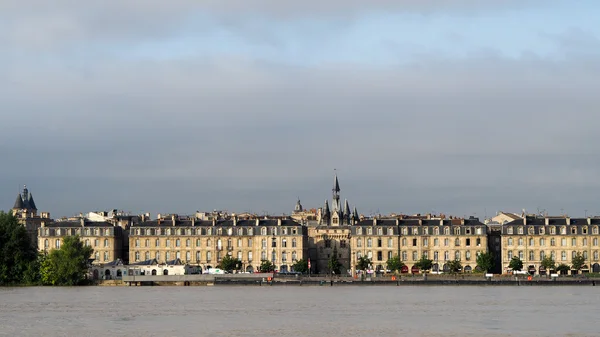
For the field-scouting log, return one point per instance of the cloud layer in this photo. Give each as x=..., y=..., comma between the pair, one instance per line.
x=88, y=125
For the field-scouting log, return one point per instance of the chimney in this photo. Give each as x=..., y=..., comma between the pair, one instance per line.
x=235, y=220
x=214, y=222
x=374, y=221
x=82, y=221
x=193, y=221
x=420, y=222
x=462, y=221
x=546, y=221
x=278, y=222
x=257, y=222
x=568, y=220
x=43, y=224
x=158, y=216
x=589, y=221
x=173, y=219
x=441, y=222
x=143, y=217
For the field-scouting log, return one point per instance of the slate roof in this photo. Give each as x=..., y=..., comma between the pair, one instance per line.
x=77, y=224
x=19, y=202
x=219, y=223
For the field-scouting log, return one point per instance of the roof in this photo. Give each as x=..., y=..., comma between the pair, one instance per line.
x=77, y=224
x=218, y=223
x=19, y=202
x=117, y=262
x=31, y=203
x=145, y=263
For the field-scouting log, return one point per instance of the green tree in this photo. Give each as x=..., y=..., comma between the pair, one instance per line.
x=455, y=266
x=301, y=266
x=68, y=265
x=548, y=263
x=424, y=263
x=229, y=263
x=563, y=268
x=363, y=263
x=516, y=263
x=334, y=264
x=17, y=254
x=266, y=266
x=394, y=264
x=578, y=261
x=485, y=261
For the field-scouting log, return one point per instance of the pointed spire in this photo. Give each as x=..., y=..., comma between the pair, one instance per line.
x=346, y=208
x=18, y=202
x=355, y=214
x=326, y=215
x=336, y=183
x=31, y=203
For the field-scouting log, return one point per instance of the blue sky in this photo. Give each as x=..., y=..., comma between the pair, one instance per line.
x=457, y=106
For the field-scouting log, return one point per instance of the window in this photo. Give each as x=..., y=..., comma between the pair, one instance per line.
x=510, y=241
x=552, y=230
x=414, y=256
x=468, y=242
x=520, y=241
x=137, y=256
x=478, y=242
x=595, y=230
x=105, y=242
x=168, y=243
x=446, y=242
x=263, y=255
x=198, y=256
x=390, y=231
x=370, y=255
x=359, y=242
x=46, y=243
x=379, y=231
x=273, y=242
x=147, y=243
x=457, y=255
x=520, y=230
x=436, y=255
x=425, y=242
x=342, y=243
x=187, y=243
x=456, y=231
x=414, y=242
x=168, y=256
x=239, y=255
x=263, y=243
x=585, y=241
x=379, y=256
x=359, y=231
x=294, y=257
x=379, y=243
x=531, y=242
x=542, y=242
x=436, y=231
x=390, y=243
x=521, y=256
x=57, y=244
x=263, y=231
x=415, y=231
x=249, y=243
x=585, y=255
x=542, y=230
x=531, y=230
x=178, y=255
x=447, y=231
x=425, y=230
x=457, y=242
x=510, y=254
x=468, y=255
x=542, y=255
x=106, y=257
x=573, y=230
x=595, y=242
x=584, y=230
x=446, y=256
x=403, y=241
x=573, y=242
x=293, y=243
x=468, y=231
x=404, y=231
x=284, y=243
x=369, y=231
x=147, y=256
x=208, y=256
x=552, y=242
x=273, y=256
x=249, y=256
x=250, y=231
x=177, y=243
x=436, y=242
x=240, y=231
x=595, y=255
x=404, y=256
x=369, y=242
x=389, y=255
x=197, y=242
x=563, y=230
x=563, y=255
x=137, y=242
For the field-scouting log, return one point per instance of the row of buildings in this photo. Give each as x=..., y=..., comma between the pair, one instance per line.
x=203, y=239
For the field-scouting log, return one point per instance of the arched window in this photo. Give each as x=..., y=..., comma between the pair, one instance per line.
x=457, y=242
x=446, y=256
x=46, y=243
x=105, y=242
x=294, y=258
x=263, y=231
x=147, y=256
x=137, y=256
x=197, y=242
x=284, y=257
x=359, y=242
x=436, y=231
x=187, y=242
x=457, y=255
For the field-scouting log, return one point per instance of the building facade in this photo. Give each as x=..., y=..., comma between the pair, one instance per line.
x=533, y=238
x=26, y=212
x=282, y=242
x=105, y=238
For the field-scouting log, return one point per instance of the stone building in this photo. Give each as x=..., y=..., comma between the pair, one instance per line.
x=204, y=243
x=105, y=238
x=532, y=238
x=26, y=212
x=377, y=239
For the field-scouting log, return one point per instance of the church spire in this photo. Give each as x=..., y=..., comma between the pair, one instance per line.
x=335, y=204
x=18, y=202
x=326, y=214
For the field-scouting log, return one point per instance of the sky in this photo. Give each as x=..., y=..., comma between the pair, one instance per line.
x=460, y=107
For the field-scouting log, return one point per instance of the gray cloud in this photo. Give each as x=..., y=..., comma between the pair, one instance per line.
x=456, y=136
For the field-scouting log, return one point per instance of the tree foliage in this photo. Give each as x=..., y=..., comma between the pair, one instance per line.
x=334, y=264
x=563, y=268
x=68, y=265
x=485, y=261
x=578, y=261
x=455, y=266
x=548, y=263
x=301, y=266
x=229, y=263
x=395, y=264
x=516, y=264
x=266, y=266
x=424, y=263
x=363, y=263
x=17, y=254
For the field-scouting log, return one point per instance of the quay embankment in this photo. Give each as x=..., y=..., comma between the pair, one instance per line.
x=267, y=279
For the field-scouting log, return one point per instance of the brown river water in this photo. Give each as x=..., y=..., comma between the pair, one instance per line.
x=301, y=311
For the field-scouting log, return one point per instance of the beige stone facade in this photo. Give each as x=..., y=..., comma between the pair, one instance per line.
x=323, y=241
x=105, y=238
x=533, y=238
x=204, y=243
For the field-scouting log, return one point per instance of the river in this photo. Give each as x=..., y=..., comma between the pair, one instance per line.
x=300, y=311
